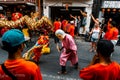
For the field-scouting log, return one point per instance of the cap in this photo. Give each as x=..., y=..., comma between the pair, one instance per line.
x=14, y=37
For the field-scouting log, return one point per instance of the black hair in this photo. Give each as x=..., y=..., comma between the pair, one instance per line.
x=105, y=47
x=7, y=47
x=56, y=18
x=113, y=23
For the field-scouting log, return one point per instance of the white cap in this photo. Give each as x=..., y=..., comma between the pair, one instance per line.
x=72, y=22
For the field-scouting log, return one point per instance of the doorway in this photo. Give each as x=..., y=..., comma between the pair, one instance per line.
x=61, y=12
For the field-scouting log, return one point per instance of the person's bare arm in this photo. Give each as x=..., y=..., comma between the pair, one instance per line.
x=81, y=12
x=72, y=16
x=91, y=31
x=93, y=18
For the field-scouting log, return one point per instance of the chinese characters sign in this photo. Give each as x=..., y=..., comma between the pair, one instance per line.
x=20, y=0
x=111, y=4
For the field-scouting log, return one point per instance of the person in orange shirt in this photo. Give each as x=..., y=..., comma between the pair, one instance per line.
x=64, y=25
x=57, y=25
x=72, y=29
x=106, y=27
x=102, y=67
x=15, y=67
x=112, y=33
x=68, y=27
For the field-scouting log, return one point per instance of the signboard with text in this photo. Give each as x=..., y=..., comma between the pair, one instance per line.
x=33, y=1
x=111, y=4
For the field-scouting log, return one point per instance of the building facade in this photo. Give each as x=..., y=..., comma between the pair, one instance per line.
x=58, y=8
x=110, y=9
x=7, y=7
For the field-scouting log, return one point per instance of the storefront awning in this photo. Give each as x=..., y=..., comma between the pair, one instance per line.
x=17, y=2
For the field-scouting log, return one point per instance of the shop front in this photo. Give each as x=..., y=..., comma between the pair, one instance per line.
x=63, y=8
x=25, y=7
x=111, y=9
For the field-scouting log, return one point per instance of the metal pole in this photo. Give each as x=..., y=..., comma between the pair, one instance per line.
x=39, y=8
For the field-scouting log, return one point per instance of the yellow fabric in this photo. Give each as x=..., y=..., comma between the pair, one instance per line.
x=45, y=50
x=25, y=32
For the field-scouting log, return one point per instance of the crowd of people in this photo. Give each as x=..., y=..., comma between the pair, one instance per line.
x=100, y=68
x=73, y=24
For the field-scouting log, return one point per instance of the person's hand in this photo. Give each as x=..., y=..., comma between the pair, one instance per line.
x=94, y=60
x=58, y=48
x=80, y=10
x=25, y=55
x=70, y=15
x=68, y=50
x=90, y=33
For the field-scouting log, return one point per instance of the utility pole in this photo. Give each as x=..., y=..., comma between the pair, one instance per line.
x=38, y=2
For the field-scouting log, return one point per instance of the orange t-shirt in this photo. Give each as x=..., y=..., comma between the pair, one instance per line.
x=23, y=70
x=71, y=30
x=108, y=26
x=57, y=25
x=111, y=34
x=64, y=25
x=101, y=72
x=68, y=27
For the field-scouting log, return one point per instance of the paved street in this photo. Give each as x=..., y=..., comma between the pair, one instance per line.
x=49, y=64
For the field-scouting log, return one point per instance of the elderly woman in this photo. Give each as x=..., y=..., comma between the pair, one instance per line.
x=69, y=50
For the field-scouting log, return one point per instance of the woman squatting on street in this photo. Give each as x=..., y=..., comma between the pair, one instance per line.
x=69, y=50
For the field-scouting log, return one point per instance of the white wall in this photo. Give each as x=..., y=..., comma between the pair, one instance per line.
x=79, y=3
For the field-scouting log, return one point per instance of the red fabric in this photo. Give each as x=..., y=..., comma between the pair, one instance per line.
x=16, y=16
x=43, y=40
x=64, y=24
x=22, y=69
x=101, y=72
x=37, y=51
x=68, y=27
x=4, y=30
x=111, y=34
x=57, y=25
x=37, y=54
x=2, y=16
x=71, y=30
x=108, y=26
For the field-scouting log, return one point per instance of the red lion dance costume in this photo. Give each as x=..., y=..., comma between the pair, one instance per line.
x=41, y=47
